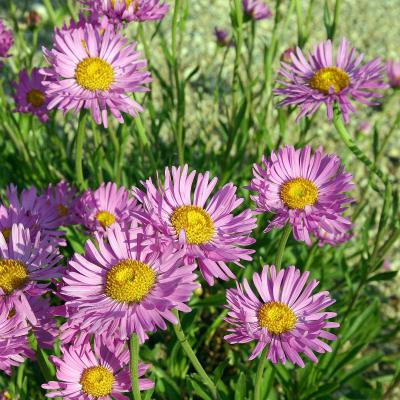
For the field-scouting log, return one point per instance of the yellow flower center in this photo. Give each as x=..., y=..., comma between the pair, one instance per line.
x=97, y=381
x=328, y=77
x=62, y=210
x=299, y=193
x=276, y=317
x=105, y=218
x=35, y=97
x=127, y=3
x=196, y=223
x=13, y=275
x=93, y=74
x=129, y=281
x=6, y=233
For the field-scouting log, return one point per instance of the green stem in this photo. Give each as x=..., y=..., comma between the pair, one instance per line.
x=348, y=141
x=300, y=24
x=134, y=365
x=335, y=20
x=282, y=244
x=259, y=374
x=50, y=10
x=192, y=356
x=179, y=86
x=80, y=138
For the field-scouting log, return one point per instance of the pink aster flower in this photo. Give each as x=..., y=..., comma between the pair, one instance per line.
x=63, y=197
x=30, y=95
x=14, y=346
x=304, y=189
x=105, y=207
x=318, y=80
x=256, y=9
x=45, y=330
x=101, y=372
x=30, y=205
x=281, y=315
x=124, y=286
x=393, y=73
x=118, y=11
x=203, y=225
x=6, y=40
x=25, y=262
x=94, y=69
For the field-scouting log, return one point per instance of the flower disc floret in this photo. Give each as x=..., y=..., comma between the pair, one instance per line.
x=105, y=218
x=277, y=317
x=93, y=74
x=13, y=275
x=97, y=381
x=299, y=193
x=195, y=221
x=129, y=281
x=35, y=97
x=330, y=77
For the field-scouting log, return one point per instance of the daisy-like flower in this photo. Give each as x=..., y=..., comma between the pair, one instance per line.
x=63, y=197
x=124, y=286
x=105, y=207
x=256, y=9
x=318, y=80
x=29, y=205
x=304, y=189
x=30, y=95
x=94, y=69
x=101, y=372
x=45, y=330
x=6, y=40
x=119, y=11
x=282, y=315
x=14, y=346
x=393, y=73
x=24, y=263
x=203, y=225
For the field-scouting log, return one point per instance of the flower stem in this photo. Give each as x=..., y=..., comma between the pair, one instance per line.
x=282, y=244
x=259, y=374
x=80, y=136
x=348, y=141
x=134, y=365
x=192, y=356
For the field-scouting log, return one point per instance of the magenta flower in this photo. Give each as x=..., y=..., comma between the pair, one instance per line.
x=31, y=206
x=393, y=73
x=105, y=207
x=203, y=225
x=101, y=372
x=62, y=198
x=222, y=38
x=256, y=9
x=24, y=263
x=118, y=11
x=14, y=346
x=95, y=70
x=318, y=80
x=30, y=95
x=305, y=190
x=125, y=286
x=6, y=40
x=282, y=315
x=45, y=330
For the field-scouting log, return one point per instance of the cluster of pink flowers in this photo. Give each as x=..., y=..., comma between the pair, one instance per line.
x=91, y=65
x=140, y=263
